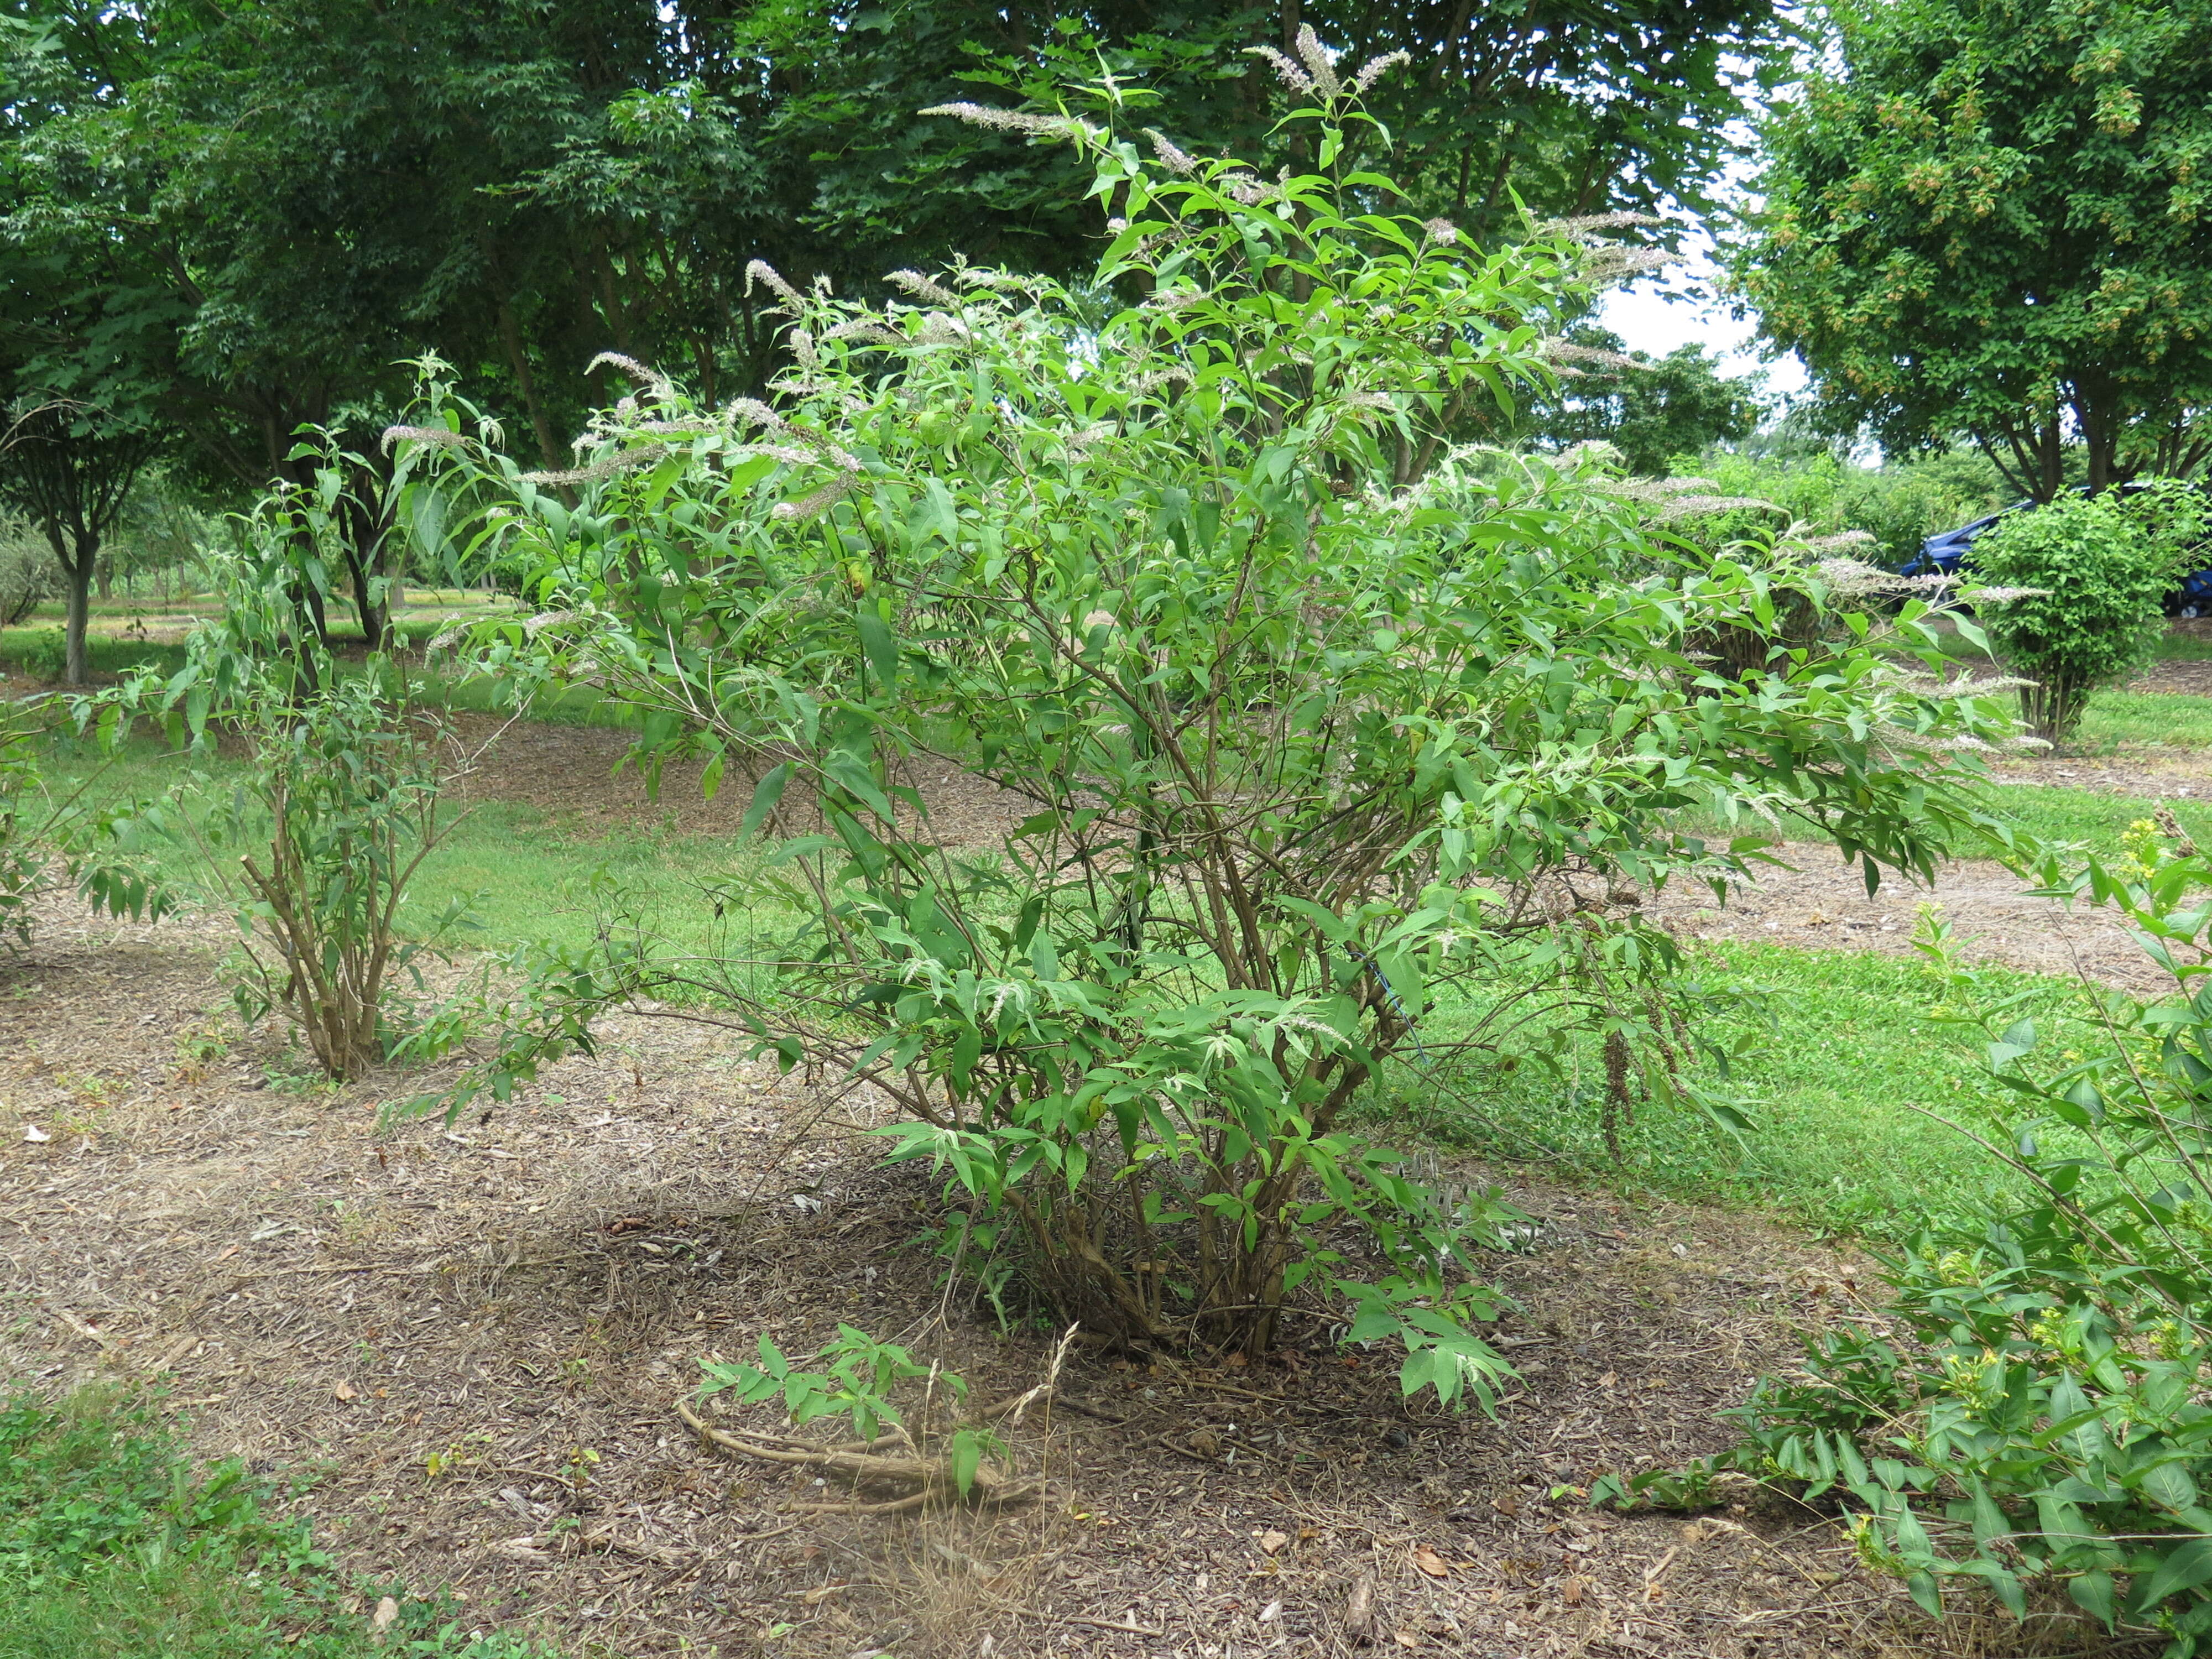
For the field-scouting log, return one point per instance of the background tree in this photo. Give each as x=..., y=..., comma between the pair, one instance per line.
x=1650, y=408
x=1568, y=108
x=83, y=330
x=69, y=467
x=303, y=194
x=1989, y=218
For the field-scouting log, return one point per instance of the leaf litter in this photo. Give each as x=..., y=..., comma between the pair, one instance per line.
x=453, y=1333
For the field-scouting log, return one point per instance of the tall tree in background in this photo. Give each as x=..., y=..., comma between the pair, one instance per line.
x=85, y=331
x=1650, y=408
x=1570, y=107
x=1990, y=217
x=69, y=468
x=290, y=198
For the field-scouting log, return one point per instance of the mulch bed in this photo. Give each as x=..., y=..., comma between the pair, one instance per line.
x=475, y=1338
x=1814, y=901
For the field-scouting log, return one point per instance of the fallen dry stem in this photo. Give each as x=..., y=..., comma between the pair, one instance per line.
x=918, y=1481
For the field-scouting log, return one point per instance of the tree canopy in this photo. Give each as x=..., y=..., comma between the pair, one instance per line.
x=280, y=202
x=1650, y=408
x=1987, y=217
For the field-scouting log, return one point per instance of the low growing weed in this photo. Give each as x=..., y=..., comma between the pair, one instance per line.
x=2032, y=1420
x=113, y=1540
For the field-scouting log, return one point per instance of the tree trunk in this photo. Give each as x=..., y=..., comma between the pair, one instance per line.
x=2051, y=708
x=370, y=552
x=518, y=359
x=79, y=575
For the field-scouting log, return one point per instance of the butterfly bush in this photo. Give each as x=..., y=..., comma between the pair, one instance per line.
x=1342, y=750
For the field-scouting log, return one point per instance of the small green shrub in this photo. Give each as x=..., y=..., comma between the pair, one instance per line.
x=23, y=859
x=2097, y=569
x=856, y=1386
x=1899, y=504
x=45, y=655
x=338, y=811
x=2035, y=1419
x=42, y=830
x=1325, y=727
x=345, y=793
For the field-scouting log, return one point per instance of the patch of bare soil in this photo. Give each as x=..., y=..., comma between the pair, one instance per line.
x=2181, y=774
x=1814, y=900
x=476, y=1338
x=578, y=776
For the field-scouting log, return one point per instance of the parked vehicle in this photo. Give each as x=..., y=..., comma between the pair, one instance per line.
x=1946, y=553
x=1942, y=555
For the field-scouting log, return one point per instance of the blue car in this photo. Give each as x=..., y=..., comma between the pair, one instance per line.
x=1945, y=554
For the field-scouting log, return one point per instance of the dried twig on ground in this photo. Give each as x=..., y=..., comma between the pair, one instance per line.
x=917, y=1482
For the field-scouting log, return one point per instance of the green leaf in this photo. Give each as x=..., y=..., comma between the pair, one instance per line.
x=766, y=793
x=2182, y=1568
x=881, y=650
x=966, y=1457
x=849, y=773
x=2093, y=1593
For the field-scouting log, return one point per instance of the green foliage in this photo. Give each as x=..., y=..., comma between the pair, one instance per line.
x=341, y=797
x=555, y=179
x=2034, y=1416
x=856, y=1387
x=42, y=827
x=862, y=1372
x=2092, y=572
x=25, y=561
x=1326, y=726
x=46, y=655
x=1436, y=1331
x=346, y=793
x=1987, y=218
x=1651, y=409
x=114, y=1540
x=21, y=860
x=1899, y=504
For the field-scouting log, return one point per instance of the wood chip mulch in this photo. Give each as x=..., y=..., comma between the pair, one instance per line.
x=472, y=1340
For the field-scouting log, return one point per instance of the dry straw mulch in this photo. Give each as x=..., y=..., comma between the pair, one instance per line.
x=476, y=1339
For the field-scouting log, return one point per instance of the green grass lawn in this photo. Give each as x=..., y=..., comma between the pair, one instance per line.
x=528, y=881
x=2088, y=817
x=1839, y=1079
x=109, y=655
x=2184, y=647
x=1845, y=1057
x=2160, y=719
x=117, y=1543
